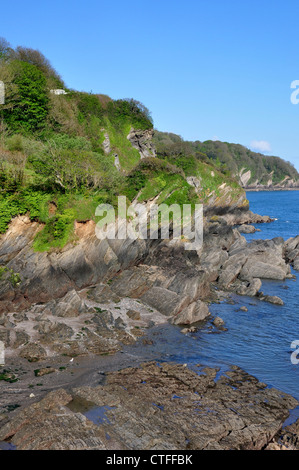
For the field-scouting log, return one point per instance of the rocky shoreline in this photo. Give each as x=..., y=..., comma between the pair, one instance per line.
x=273, y=188
x=156, y=406
x=62, y=312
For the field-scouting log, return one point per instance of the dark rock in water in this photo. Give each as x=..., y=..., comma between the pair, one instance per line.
x=192, y=329
x=272, y=299
x=247, y=229
x=218, y=321
x=244, y=309
x=155, y=407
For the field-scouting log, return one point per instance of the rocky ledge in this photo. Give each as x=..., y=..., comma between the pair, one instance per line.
x=96, y=295
x=157, y=407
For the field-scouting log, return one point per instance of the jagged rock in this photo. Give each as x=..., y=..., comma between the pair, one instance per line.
x=106, y=143
x=142, y=141
x=261, y=259
x=164, y=300
x=71, y=305
x=21, y=338
x=241, y=217
x=59, y=332
x=288, y=437
x=102, y=294
x=45, y=326
x=238, y=245
x=231, y=269
x=195, y=182
x=251, y=289
x=195, y=312
x=291, y=252
x=296, y=264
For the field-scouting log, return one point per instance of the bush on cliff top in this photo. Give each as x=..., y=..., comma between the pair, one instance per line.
x=52, y=161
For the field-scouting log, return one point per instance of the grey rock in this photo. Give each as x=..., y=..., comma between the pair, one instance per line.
x=142, y=141
x=273, y=299
x=218, y=322
x=247, y=229
x=33, y=352
x=254, y=268
x=231, y=269
x=133, y=314
x=156, y=407
x=249, y=288
x=195, y=312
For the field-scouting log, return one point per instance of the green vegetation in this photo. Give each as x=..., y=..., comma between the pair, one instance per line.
x=9, y=275
x=57, y=153
x=52, y=163
x=8, y=376
x=229, y=158
x=29, y=108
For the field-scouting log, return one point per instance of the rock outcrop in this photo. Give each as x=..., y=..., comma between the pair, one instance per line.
x=53, y=299
x=155, y=407
x=142, y=141
x=291, y=252
x=94, y=296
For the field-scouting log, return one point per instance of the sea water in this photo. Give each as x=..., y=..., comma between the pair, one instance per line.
x=259, y=340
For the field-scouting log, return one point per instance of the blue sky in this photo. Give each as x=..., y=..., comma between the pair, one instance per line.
x=206, y=69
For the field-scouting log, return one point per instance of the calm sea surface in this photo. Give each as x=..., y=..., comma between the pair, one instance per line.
x=259, y=341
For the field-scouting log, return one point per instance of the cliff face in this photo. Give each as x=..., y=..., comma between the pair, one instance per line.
x=142, y=141
x=286, y=183
x=95, y=294
x=247, y=182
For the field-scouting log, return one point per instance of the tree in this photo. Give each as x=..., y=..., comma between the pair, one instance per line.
x=28, y=107
x=6, y=52
x=35, y=57
x=138, y=108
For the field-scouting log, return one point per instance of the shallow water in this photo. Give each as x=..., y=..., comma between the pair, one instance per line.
x=259, y=341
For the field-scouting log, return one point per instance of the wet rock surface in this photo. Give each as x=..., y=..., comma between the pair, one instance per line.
x=155, y=406
x=96, y=296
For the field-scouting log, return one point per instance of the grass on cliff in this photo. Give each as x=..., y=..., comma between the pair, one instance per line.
x=53, y=167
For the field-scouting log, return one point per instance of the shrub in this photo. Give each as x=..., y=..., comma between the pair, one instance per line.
x=30, y=106
x=130, y=111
